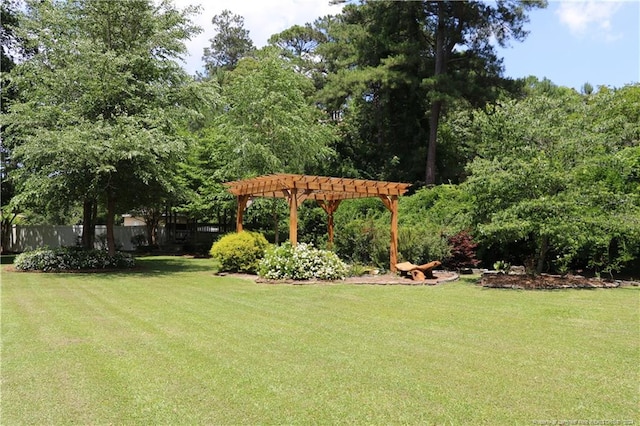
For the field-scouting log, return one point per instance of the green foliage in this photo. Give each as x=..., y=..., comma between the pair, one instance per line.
x=364, y=241
x=363, y=227
x=367, y=241
x=102, y=103
x=422, y=244
x=427, y=218
x=447, y=207
x=371, y=208
x=298, y=44
x=268, y=216
x=71, y=259
x=268, y=124
x=312, y=225
x=502, y=266
x=230, y=44
x=301, y=262
x=239, y=252
x=389, y=62
x=558, y=178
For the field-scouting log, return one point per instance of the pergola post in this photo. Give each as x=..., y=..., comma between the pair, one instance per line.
x=293, y=216
x=393, y=251
x=242, y=205
x=329, y=207
x=391, y=203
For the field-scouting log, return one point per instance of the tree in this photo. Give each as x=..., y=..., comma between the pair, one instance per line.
x=201, y=174
x=556, y=180
x=399, y=63
x=269, y=125
x=102, y=103
x=230, y=44
x=12, y=49
x=465, y=30
x=374, y=63
x=299, y=44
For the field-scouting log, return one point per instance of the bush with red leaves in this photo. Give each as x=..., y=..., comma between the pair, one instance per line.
x=463, y=251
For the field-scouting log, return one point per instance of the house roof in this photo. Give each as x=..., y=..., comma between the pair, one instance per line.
x=320, y=188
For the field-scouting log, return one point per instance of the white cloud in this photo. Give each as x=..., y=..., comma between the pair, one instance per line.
x=262, y=19
x=591, y=17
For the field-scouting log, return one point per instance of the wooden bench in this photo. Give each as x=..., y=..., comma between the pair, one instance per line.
x=418, y=272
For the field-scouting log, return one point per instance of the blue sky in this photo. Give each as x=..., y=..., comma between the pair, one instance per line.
x=570, y=42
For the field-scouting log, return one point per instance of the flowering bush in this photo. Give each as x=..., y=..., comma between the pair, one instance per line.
x=301, y=262
x=71, y=259
x=239, y=252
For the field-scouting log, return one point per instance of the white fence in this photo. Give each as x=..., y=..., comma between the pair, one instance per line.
x=30, y=237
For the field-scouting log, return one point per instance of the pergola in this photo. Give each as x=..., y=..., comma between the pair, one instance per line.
x=328, y=192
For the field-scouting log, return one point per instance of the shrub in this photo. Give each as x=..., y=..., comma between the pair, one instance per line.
x=239, y=252
x=71, y=259
x=301, y=262
x=421, y=244
x=502, y=266
x=446, y=207
x=368, y=242
x=364, y=241
x=463, y=251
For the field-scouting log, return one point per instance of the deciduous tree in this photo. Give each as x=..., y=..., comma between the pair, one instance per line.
x=557, y=179
x=101, y=102
x=269, y=124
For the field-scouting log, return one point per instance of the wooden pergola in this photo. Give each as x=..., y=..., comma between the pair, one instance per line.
x=328, y=192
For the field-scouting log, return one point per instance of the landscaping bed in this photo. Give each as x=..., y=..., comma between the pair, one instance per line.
x=374, y=279
x=493, y=279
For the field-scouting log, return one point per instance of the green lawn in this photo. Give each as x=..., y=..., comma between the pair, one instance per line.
x=174, y=344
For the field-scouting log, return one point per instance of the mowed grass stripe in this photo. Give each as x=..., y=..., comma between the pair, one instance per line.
x=174, y=344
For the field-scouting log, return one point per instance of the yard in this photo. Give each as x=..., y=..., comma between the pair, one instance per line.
x=171, y=343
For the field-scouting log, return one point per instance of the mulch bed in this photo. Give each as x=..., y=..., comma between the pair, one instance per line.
x=494, y=279
x=372, y=279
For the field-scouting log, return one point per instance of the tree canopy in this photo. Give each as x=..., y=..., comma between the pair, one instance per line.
x=559, y=178
x=230, y=44
x=100, y=102
x=394, y=66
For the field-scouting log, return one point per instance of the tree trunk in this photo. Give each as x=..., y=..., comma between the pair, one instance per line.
x=154, y=233
x=430, y=177
x=436, y=105
x=89, y=210
x=151, y=221
x=4, y=235
x=542, y=254
x=6, y=232
x=149, y=229
x=111, y=214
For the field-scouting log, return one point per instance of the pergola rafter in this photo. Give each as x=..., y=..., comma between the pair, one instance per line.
x=328, y=192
